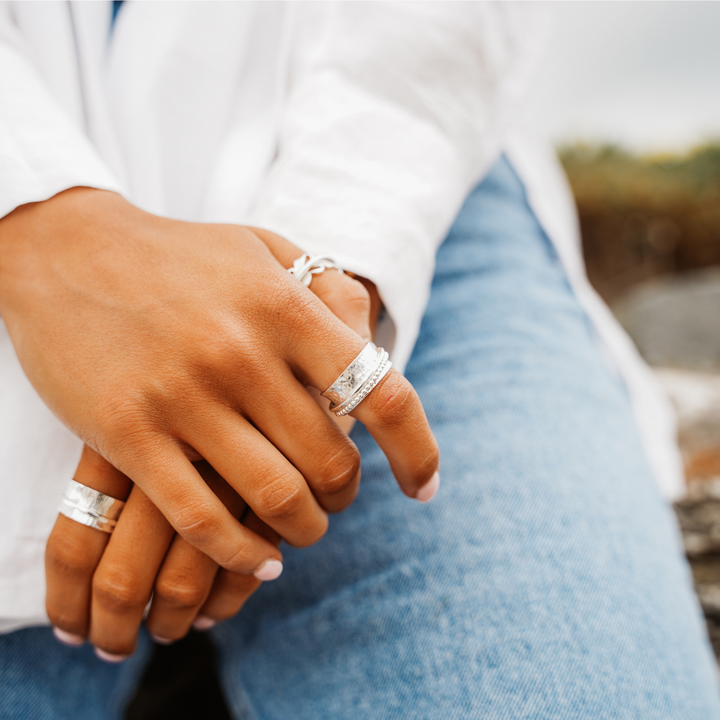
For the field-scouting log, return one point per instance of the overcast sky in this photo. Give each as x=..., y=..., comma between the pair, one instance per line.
x=644, y=74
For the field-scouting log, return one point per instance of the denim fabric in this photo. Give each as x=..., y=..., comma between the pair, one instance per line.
x=546, y=579
x=41, y=679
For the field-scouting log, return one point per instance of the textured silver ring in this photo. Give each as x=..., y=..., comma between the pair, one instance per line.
x=305, y=267
x=368, y=386
x=90, y=507
x=354, y=375
x=358, y=379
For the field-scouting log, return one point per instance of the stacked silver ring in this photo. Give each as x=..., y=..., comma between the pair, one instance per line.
x=90, y=507
x=358, y=379
x=305, y=267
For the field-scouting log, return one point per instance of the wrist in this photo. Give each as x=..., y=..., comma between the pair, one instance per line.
x=31, y=235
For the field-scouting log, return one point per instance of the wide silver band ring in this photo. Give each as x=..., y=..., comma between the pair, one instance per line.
x=90, y=507
x=306, y=267
x=358, y=379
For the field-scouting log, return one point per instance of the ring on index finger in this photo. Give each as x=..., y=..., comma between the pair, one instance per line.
x=358, y=379
x=90, y=507
x=305, y=267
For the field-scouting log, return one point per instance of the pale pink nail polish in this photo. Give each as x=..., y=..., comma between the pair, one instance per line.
x=269, y=570
x=203, y=623
x=67, y=638
x=427, y=492
x=109, y=657
x=161, y=640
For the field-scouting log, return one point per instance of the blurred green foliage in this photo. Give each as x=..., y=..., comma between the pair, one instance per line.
x=642, y=216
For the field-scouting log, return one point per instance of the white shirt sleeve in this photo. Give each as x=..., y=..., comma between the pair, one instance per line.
x=393, y=112
x=42, y=151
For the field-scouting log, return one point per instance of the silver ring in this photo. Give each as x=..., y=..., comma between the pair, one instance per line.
x=370, y=384
x=305, y=267
x=90, y=507
x=358, y=379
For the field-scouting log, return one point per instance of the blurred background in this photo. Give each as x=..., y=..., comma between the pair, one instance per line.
x=629, y=93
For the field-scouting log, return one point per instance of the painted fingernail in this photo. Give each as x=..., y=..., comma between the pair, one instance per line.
x=427, y=492
x=269, y=570
x=161, y=640
x=109, y=657
x=203, y=623
x=67, y=638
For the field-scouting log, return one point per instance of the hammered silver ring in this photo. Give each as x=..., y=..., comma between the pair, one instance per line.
x=90, y=507
x=358, y=379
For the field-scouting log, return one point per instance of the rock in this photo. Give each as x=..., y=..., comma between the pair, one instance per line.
x=696, y=398
x=675, y=321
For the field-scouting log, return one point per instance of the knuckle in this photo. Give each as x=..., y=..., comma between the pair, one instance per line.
x=391, y=401
x=279, y=498
x=118, y=593
x=119, y=415
x=68, y=557
x=242, y=559
x=356, y=295
x=180, y=594
x=220, y=345
x=339, y=469
x=197, y=524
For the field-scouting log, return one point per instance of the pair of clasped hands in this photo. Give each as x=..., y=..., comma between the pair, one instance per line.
x=190, y=362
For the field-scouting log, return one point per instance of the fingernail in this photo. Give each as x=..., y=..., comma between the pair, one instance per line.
x=161, y=640
x=203, y=623
x=269, y=570
x=109, y=657
x=427, y=492
x=67, y=638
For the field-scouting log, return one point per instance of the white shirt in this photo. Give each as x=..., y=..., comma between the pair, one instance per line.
x=353, y=129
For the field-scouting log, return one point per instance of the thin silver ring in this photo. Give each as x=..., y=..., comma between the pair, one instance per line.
x=306, y=267
x=90, y=507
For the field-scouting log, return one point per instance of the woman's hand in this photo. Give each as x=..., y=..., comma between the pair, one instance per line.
x=161, y=342
x=101, y=592
x=99, y=585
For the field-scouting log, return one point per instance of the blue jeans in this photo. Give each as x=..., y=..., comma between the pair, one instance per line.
x=545, y=580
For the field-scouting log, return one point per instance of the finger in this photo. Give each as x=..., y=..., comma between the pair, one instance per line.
x=74, y=551
x=323, y=348
x=186, y=576
x=231, y=591
x=174, y=485
x=304, y=433
x=260, y=474
x=354, y=301
x=123, y=581
x=347, y=299
x=394, y=416
x=182, y=586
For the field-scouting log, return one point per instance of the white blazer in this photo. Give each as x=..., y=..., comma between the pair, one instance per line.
x=354, y=129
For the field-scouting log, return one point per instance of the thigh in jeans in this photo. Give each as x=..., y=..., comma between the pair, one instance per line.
x=41, y=679
x=544, y=581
